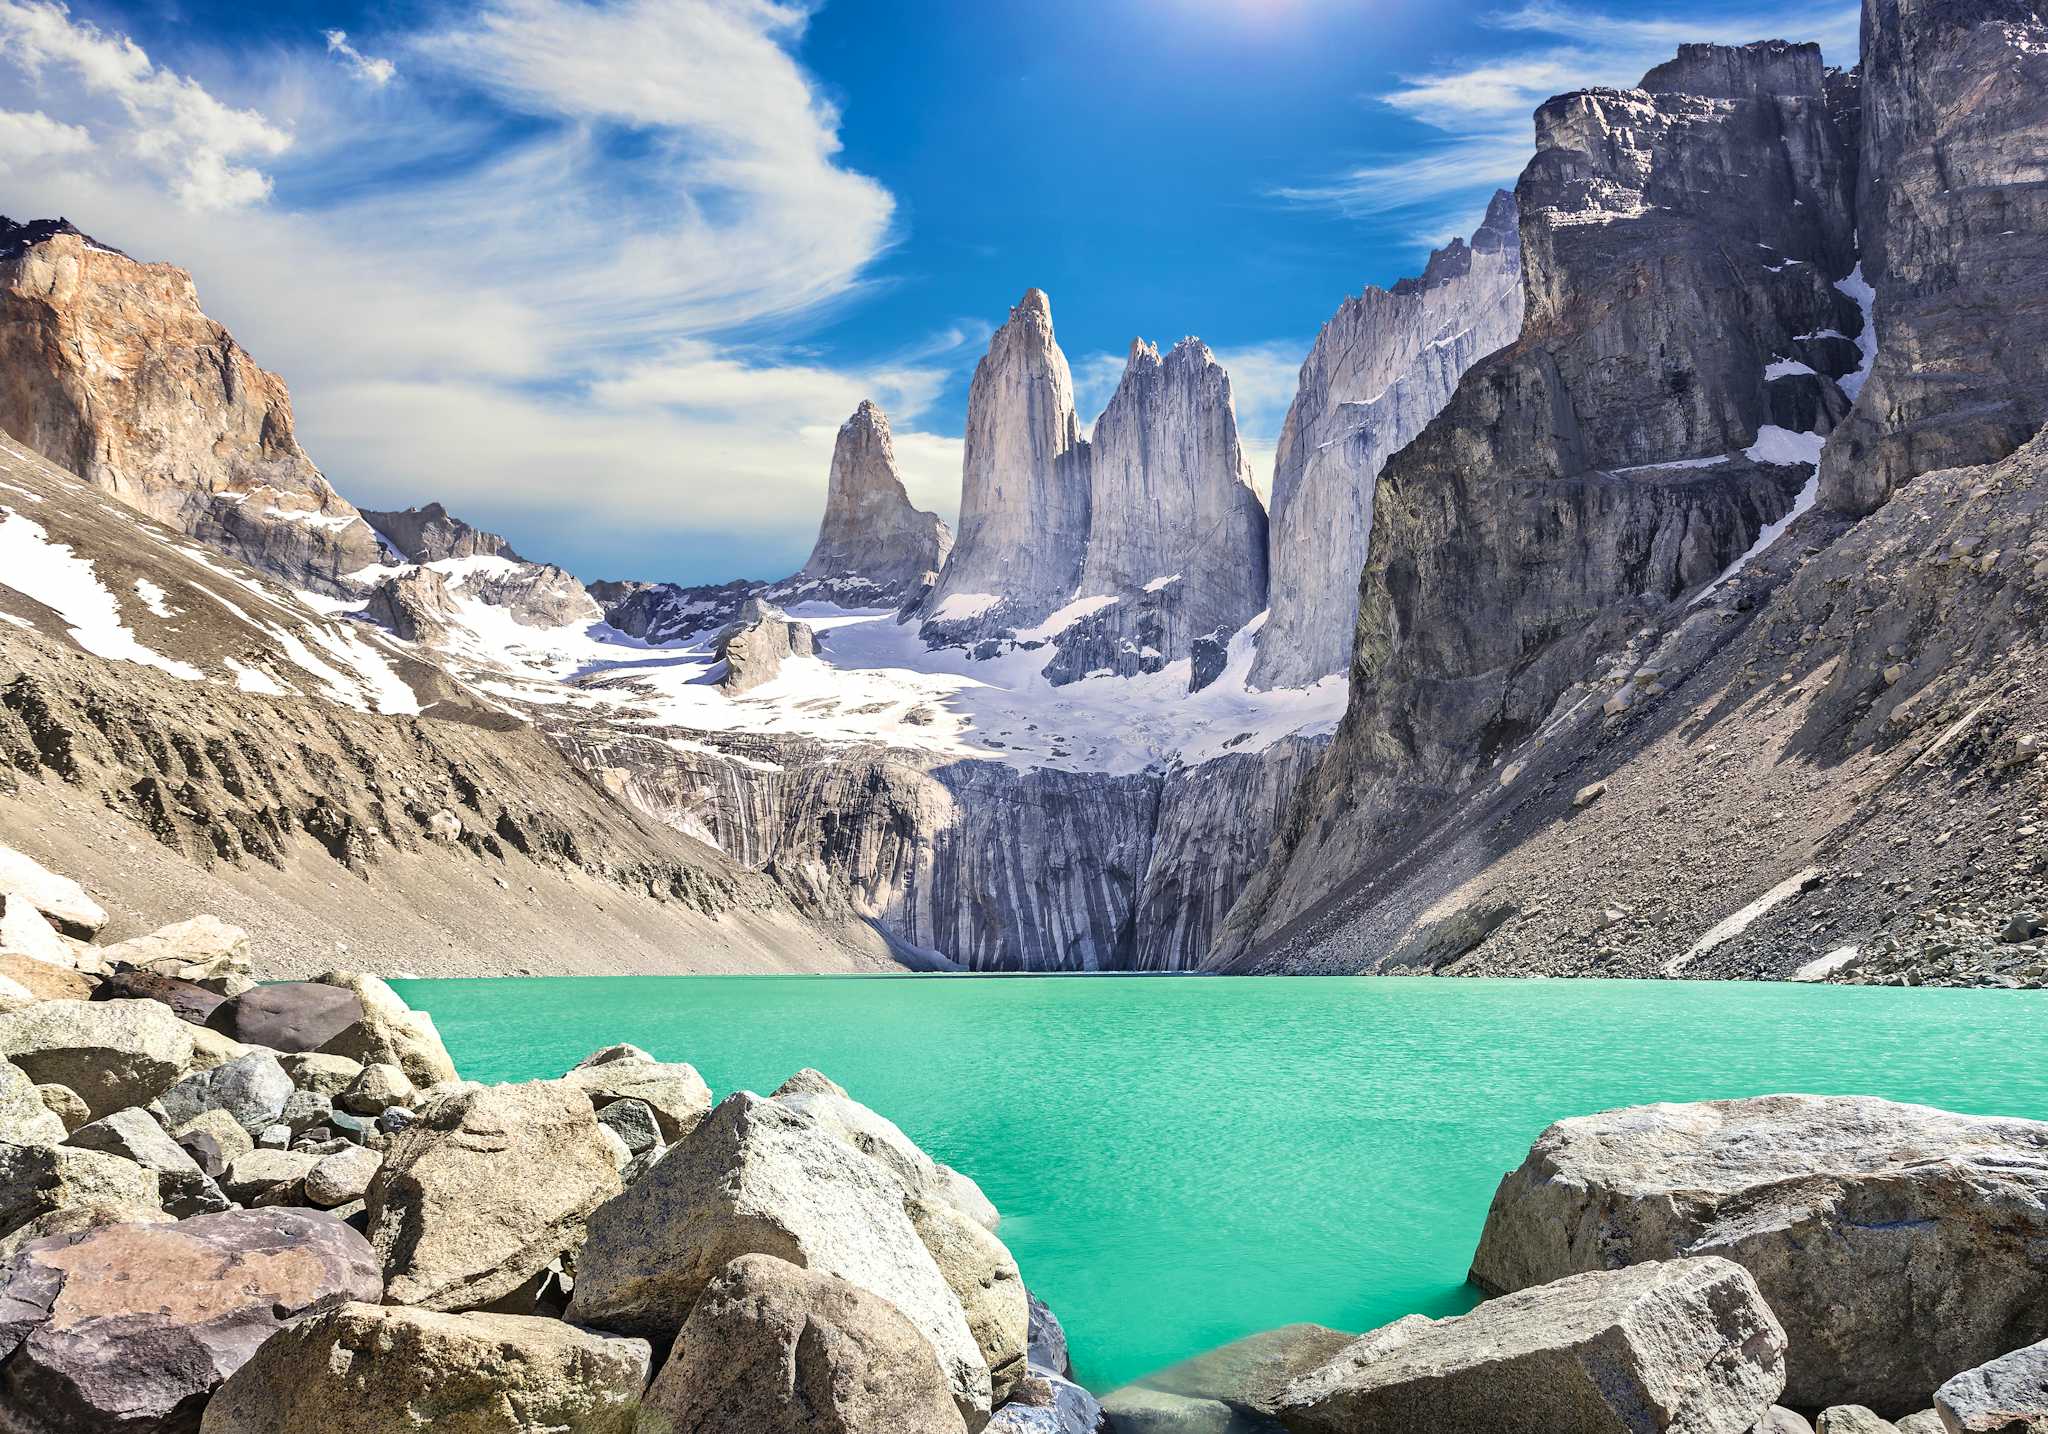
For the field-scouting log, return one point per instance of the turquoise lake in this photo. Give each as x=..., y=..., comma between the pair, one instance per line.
x=1184, y=1160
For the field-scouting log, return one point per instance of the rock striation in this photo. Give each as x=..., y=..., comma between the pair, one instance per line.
x=874, y=549
x=1383, y=366
x=108, y=367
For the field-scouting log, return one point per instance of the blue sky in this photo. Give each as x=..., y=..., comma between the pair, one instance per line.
x=607, y=274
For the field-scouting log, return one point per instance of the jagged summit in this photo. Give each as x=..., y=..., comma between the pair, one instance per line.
x=871, y=533
x=1737, y=72
x=1496, y=233
x=16, y=236
x=431, y=534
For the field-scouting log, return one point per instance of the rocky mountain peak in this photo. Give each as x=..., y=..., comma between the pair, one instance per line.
x=1736, y=72
x=871, y=535
x=431, y=534
x=17, y=236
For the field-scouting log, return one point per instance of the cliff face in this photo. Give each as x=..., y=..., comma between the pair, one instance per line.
x=1954, y=215
x=1679, y=255
x=1024, y=495
x=1382, y=367
x=871, y=536
x=109, y=368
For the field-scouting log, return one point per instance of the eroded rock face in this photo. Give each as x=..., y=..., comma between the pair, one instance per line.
x=365, y=1369
x=1893, y=1241
x=131, y=1327
x=774, y=1348
x=415, y=605
x=112, y=371
x=756, y=643
x=871, y=534
x=1383, y=366
x=1954, y=218
x=1688, y=1345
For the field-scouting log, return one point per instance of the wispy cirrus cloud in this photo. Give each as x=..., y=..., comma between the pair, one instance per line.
x=1476, y=114
x=372, y=69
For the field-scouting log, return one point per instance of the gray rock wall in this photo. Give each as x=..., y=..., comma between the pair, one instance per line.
x=870, y=532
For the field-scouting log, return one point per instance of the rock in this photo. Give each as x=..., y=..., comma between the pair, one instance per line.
x=1838, y=1206
x=132, y=1327
x=671, y=1089
x=63, y=1102
x=189, y=1001
x=432, y=535
x=113, y=1054
x=1245, y=1377
x=1685, y=1345
x=320, y=1074
x=72, y=1219
x=1852, y=1419
x=36, y=1179
x=772, y=1348
x=389, y=1031
x=25, y=933
x=182, y=1186
x=1927, y=1421
x=289, y=1016
x=1587, y=795
x=877, y=1137
x=983, y=1276
x=633, y=1122
x=369, y=1369
x=211, y=1050
x=754, y=645
x=2007, y=1395
x=1137, y=1410
x=14, y=996
x=394, y=1118
x=1780, y=1420
x=871, y=533
x=377, y=1089
x=486, y=1189
x=62, y=901
x=274, y=1137
x=1047, y=1404
x=1045, y=1341
x=25, y=1118
x=45, y=981
x=758, y=1177
x=214, y=1140
x=303, y=1111
x=205, y=951
x=251, y=1088
x=268, y=1176
x=342, y=1176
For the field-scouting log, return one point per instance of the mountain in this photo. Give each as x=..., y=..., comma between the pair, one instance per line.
x=1383, y=366
x=109, y=368
x=430, y=535
x=873, y=548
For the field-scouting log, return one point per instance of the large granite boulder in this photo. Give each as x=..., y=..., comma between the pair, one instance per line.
x=205, y=950
x=370, y=1369
x=289, y=1016
x=1687, y=1345
x=182, y=1186
x=982, y=1275
x=2007, y=1395
x=317, y=1073
x=1898, y=1244
x=26, y=934
x=113, y=1054
x=44, y=981
x=252, y=1088
x=37, y=1179
x=671, y=1089
x=266, y=1176
x=877, y=1137
x=389, y=1031
x=772, y=1348
x=487, y=1188
x=61, y=900
x=1044, y=1403
x=131, y=1327
x=757, y=1177
x=24, y=1117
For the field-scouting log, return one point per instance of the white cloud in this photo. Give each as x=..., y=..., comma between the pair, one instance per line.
x=30, y=136
x=372, y=69
x=166, y=122
x=1483, y=109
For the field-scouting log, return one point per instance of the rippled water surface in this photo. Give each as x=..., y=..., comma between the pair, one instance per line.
x=1180, y=1161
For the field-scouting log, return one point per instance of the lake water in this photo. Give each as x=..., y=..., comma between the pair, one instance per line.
x=1183, y=1160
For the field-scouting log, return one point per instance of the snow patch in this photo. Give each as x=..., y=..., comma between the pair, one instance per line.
x=52, y=574
x=1733, y=926
x=1858, y=288
x=255, y=679
x=1064, y=618
x=960, y=607
x=1781, y=445
x=1785, y=368
x=153, y=598
x=1822, y=967
x=1157, y=584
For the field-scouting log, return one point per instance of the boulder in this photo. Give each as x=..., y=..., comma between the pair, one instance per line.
x=212, y=1050
x=205, y=950
x=370, y=1369
x=44, y=981
x=24, y=1117
x=672, y=1090
x=320, y=1074
x=63, y=1102
x=265, y=1176
x=388, y=1031
x=24, y=933
x=1896, y=1243
x=633, y=1121
x=214, y=1140
x=983, y=1276
x=1852, y=1419
x=36, y=1179
x=876, y=1136
x=303, y=1111
x=131, y=1327
x=72, y=1219
x=251, y=1088
x=759, y=1177
x=113, y=1054
x=2007, y=1395
x=1780, y=1420
x=1927, y=1421
x=1045, y=1345
x=188, y=1000
x=342, y=1176
x=1234, y=1386
x=377, y=1089
x=182, y=1186
x=1687, y=1345
x=61, y=900
x=14, y=996
x=1047, y=1404
x=488, y=1187
x=1134, y=1409
x=772, y=1348
x=293, y=1016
